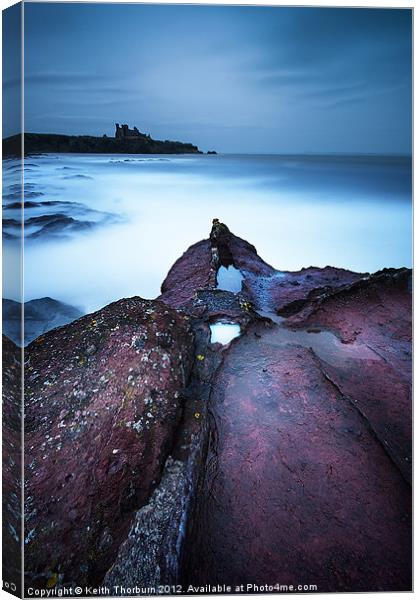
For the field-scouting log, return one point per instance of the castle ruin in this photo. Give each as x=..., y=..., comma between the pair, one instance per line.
x=123, y=132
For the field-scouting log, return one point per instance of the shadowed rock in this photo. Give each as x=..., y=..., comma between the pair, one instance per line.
x=103, y=400
x=77, y=218
x=41, y=315
x=58, y=225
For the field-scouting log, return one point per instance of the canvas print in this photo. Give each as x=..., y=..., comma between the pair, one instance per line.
x=207, y=299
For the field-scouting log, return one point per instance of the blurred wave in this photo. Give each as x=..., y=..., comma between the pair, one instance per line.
x=102, y=227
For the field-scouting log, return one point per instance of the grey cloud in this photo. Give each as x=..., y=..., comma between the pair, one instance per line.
x=241, y=78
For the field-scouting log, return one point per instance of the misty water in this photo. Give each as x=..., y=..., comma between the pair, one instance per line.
x=103, y=227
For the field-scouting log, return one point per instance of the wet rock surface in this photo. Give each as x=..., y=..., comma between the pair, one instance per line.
x=376, y=314
x=288, y=291
x=296, y=489
x=156, y=457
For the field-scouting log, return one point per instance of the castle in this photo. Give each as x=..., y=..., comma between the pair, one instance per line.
x=123, y=132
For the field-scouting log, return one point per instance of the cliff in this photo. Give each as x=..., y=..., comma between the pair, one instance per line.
x=49, y=142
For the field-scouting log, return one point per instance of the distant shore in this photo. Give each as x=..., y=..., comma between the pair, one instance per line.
x=88, y=144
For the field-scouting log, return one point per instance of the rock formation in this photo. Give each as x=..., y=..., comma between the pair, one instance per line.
x=100, y=419
x=156, y=455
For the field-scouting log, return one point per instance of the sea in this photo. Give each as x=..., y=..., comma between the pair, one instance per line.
x=103, y=227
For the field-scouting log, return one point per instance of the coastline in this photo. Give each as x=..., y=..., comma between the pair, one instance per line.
x=35, y=143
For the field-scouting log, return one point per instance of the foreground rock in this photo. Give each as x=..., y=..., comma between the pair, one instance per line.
x=157, y=456
x=296, y=488
x=374, y=313
x=104, y=398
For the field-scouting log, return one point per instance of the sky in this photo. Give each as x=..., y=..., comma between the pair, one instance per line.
x=231, y=78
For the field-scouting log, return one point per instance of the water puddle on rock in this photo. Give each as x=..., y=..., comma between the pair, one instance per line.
x=325, y=344
x=224, y=333
x=272, y=316
x=229, y=279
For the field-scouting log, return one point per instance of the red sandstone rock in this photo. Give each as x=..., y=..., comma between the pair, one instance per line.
x=233, y=250
x=311, y=436
x=263, y=285
x=297, y=489
x=292, y=288
x=104, y=397
x=192, y=271
x=375, y=313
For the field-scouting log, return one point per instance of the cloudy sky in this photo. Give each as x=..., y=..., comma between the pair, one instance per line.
x=237, y=79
